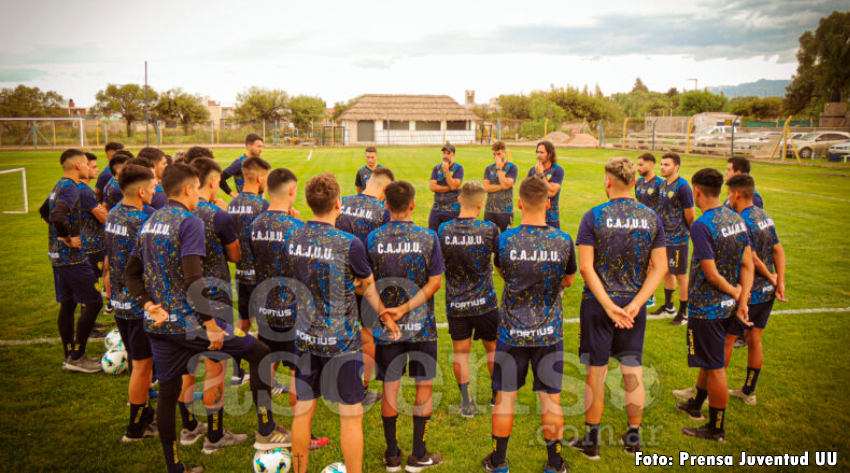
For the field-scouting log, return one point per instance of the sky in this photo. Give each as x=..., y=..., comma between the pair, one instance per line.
x=340, y=49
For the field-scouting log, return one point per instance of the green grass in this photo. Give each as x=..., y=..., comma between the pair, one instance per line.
x=52, y=420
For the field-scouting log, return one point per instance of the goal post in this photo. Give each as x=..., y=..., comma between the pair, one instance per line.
x=26, y=131
x=24, y=197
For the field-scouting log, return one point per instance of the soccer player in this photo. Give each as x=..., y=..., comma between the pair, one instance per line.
x=73, y=276
x=160, y=161
x=244, y=208
x=222, y=245
x=121, y=233
x=253, y=149
x=112, y=190
x=536, y=261
x=499, y=179
x=471, y=304
x=163, y=269
x=359, y=215
x=328, y=265
x=677, y=213
x=409, y=255
x=446, y=179
x=106, y=174
x=548, y=169
x=768, y=284
x=616, y=242
x=648, y=193
x=736, y=166
x=722, y=276
x=364, y=173
x=91, y=230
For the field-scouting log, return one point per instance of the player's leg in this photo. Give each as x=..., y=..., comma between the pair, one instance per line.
x=682, y=281
x=434, y=220
x=552, y=422
x=351, y=436
x=635, y=403
x=217, y=437
x=139, y=354
x=423, y=368
x=759, y=316
x=245, y=290
x=390, y=362
x=669, y=285
x=169, y=393
x=509, y=373
x=368, y=365
x=486, y=330
x=75, y=284
x=193, y=429
x=708, y=354
x=302, y=421
x=460, y=331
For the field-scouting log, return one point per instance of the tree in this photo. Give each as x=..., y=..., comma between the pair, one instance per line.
x=597, y=92
x=258, y=104
x=543, y=109
x=755, y=107
x=639, y=86
x=23, y=101
x=823, y=65
x=698, y=101
x=126, y=100
x=672, y=92
x=182, y=107
x=515, y=106
x=341, y=107
x=306, y=110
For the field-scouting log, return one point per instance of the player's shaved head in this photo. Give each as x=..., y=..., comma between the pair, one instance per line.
x=71, y=156
x=709, y=181
x=118, y=160
x=383, y=175
x=254, y=166
x=399, y=195
x=743, y=184
x=132, y=176
x=176, y=177
x=472, y=193
x=534, y=192
x=206, y=168
x=622, y=169
x=322, y=191
x=280, y=180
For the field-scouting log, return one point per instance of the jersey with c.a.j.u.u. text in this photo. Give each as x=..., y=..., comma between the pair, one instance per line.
x=276, y=298
x=244, y=208
x=360, y=214
x=721, y=235
x=121, y=234
x=219, y=231
x=404, y=256
x=469, y=244
x=623, y=234
x=764, y=238
x=533, y=260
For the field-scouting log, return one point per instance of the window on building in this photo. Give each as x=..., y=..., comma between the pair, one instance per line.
x=457, y=126
x=427, y=126
x=398, y=126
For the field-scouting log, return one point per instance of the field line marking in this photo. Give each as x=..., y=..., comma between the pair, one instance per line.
x=805, y=194
x=444, y=325
x=310, y=155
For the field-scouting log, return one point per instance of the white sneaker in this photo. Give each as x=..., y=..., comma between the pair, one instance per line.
x=684, y=394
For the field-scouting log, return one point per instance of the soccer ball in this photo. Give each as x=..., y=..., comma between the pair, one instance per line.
x=114, y=361
x=338, y=467
x=113, y=340
x=277, y=460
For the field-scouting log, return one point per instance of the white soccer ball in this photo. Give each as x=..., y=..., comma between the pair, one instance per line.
x=114, y=361
x=113, y=340
x=277, y=460
x=338, y=467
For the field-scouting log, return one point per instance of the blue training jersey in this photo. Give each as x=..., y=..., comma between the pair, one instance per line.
x=361, y=214
x=675, y=198
x=500, y=201
x=60, y=254
x=446, y=201
x=121, y=233
x=244, y=208
x=363, y=176
x=469, y=244
x=91, y=231
x=764, y=238
x=648, y=192
x=554, y=175
x=275, y=296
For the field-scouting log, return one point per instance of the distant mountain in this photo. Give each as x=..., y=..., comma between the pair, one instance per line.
x=760, y=88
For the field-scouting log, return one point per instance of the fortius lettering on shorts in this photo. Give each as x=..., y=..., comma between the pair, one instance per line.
x=411, y=327
x=628, y=223
x=314, y=252
x=465, y=304
x=539, y=256
x=531, y=333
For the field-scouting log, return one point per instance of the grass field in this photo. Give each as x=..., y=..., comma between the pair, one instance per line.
x=51, y=420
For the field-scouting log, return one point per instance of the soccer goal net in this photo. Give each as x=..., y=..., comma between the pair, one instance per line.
x=42, y=132
x=13, y=191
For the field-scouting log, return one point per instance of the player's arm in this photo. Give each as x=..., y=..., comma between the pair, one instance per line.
x=553, y=188
x=453, y=183
x=654, y=276
x=107, y=286
x=232, y=252
x=779, y=262
x=762, y=269
x=226, y=174
x=745, y=283
x=99, y=213
x=135, y=282
x=709, y=268
x=616, y=313
x=421, y=297
x=438, y=188
x=506, y=182
x=44, y=210
x=490, y=188
x=226, y=233
x=689, y=216
x=366, y=287
x=59, y=218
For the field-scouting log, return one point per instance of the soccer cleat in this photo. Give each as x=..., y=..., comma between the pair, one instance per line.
x=97, y=334
x=468, y=410
x=82, y=364
x=278, y=388
x=695, y=413
x=370, y=398
x=415, y=465
x=631, y=445
x=705, y=432
x=739, y=393
x=589, y=452
x=278, y=438
x=147, y=432
x=108, y=309
x=318, y=442
x=393, y=464
x=491, y=468
x=650, y=302
x=740, y=343
x=189, y=437
x=564, y=468
x=684, y=394
x=239, y=377
x=665, y=310
x=227, y=440
x=679, y=319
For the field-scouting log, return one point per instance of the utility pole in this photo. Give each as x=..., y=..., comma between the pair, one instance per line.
x=695, y=83
x=147, y=132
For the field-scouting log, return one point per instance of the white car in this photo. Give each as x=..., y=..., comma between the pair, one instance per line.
x=839, y=152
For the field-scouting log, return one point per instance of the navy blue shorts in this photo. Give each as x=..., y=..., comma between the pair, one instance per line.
x=336, y=379
x=511, y=367
x=439, y=217
x=96, y=262
x=555, y=224
x=600, y=340
x=76, y=283
x=420, y=358
x=281, y=343
x=485, y=327
x=759, y=315
x=177, y=354
x=245, y=291
x=677, y=259
x=135, y=339
x=707, y=343
x=502, y=220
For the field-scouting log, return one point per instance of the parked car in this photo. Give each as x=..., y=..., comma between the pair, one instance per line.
x=714, y=133
x=817, y=143
x=839, y=152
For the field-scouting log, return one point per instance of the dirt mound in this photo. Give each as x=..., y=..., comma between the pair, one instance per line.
x=583, y=139
x=578, y=139
x=557, y=138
